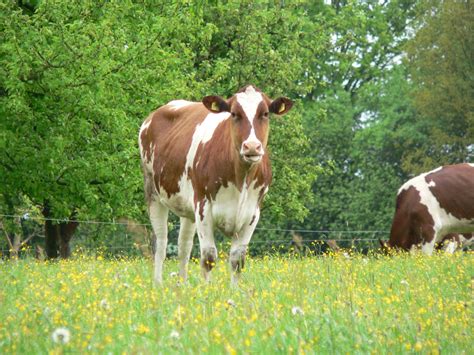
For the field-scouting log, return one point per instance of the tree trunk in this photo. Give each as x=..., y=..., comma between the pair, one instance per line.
x=66, y=231
x=50, y=235
x=58, y=235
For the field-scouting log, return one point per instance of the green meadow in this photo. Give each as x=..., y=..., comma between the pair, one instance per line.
x=284, y=304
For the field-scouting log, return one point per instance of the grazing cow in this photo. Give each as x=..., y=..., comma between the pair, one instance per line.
x=453, y=241
x=208, y=163
x=432, y=205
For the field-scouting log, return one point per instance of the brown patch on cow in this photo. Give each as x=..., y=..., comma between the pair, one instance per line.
x=412, y=223
x=202, y=203
x=454, y=189
x=170, y=135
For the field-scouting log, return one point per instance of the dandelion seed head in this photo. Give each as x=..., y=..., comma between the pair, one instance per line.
x=297, y=311
x=104, y=304
x=174, y=334
x=61, y=335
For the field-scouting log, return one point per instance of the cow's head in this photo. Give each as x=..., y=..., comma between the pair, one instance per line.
x=250, y=110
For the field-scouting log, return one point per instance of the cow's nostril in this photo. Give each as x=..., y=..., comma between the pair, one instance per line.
x=246, y=146
x=258, y=147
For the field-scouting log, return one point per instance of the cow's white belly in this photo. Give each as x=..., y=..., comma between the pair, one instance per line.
x=230, y=211
x=233, y=209
x=181, y=203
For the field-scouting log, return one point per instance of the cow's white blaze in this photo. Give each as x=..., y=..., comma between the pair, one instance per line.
x=444, y=222
x=249, y=100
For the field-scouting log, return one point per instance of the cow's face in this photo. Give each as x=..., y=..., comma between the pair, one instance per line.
x=250, y=110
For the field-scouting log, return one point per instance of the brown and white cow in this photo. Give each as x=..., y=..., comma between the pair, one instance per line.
x=432, y=205
x=208, y=163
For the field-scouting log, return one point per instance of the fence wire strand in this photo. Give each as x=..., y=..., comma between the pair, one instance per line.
x=129, y=236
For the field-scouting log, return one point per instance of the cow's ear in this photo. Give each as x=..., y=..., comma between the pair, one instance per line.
x=281, y=105
x=215, y=104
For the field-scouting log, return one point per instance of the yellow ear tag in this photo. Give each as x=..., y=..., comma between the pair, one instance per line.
x=282, y=108
x=214, y=106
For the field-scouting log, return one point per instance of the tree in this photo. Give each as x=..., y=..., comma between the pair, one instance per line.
x=351, y=112
x=441, y=61
x=76, y=81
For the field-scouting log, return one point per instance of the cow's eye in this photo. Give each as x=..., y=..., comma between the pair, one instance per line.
x=265, y=114
x=234, y=115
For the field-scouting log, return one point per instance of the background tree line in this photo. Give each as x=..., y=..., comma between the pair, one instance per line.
x=383, y=90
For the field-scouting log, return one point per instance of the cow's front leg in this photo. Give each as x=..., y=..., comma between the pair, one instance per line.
x=238, y=249
x=205, y=230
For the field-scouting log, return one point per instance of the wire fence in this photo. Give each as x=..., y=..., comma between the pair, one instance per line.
x=128, y=237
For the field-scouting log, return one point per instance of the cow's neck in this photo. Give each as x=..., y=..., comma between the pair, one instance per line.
x=245, y=173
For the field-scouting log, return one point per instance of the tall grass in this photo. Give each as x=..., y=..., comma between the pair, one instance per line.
x=284, y=304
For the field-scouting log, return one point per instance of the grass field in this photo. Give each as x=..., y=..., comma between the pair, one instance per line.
x=284, y=304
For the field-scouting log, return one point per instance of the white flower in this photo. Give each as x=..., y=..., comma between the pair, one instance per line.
x=231, y=303
x=404, y=282
x=104, y=304
x=297, y=310
x=61, y=335
x=173, y=274
x=125, y=47
x=365, y=261
x=174, y=334
x=346, y=255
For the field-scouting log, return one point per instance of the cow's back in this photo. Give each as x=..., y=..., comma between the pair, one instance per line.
x=453, y=188
x=165, y=139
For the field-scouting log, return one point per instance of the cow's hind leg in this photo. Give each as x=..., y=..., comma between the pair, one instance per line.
x=185, y=245
x=159, y=220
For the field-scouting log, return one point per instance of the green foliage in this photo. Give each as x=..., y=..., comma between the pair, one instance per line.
x=77, y=80
x=440, y=58
x=350, y=116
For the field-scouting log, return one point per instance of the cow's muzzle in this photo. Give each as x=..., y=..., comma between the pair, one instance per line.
x=252, y=152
